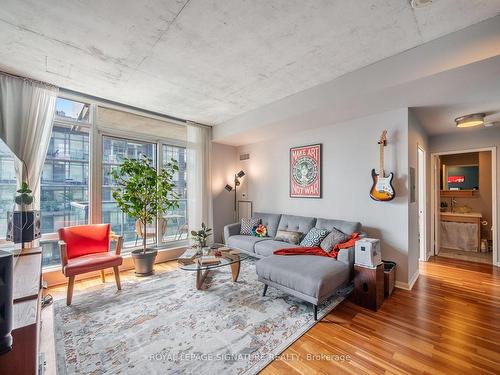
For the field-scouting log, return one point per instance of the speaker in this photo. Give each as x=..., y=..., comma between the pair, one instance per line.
x=23, y=226
x=6, y=286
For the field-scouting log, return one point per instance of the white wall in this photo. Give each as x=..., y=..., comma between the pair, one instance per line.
x=417, y=137
x=467, y=139
x=350, y=151
x=224, y=165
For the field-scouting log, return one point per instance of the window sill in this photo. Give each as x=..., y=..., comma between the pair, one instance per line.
x=53, y=274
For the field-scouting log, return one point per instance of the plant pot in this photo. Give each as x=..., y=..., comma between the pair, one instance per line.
x=144, y=261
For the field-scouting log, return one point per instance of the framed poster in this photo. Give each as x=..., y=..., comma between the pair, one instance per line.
x=305, y=171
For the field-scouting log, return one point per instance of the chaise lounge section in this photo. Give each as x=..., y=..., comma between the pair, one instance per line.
x=310, y=278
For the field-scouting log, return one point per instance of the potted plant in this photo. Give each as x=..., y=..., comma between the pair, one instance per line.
x=200, y=236
x=144, y=194
x=23, y=218
x=24, y=198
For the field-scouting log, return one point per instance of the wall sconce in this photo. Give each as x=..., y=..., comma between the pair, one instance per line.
x=237, y=183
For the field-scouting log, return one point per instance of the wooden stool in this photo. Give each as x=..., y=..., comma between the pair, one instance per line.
x=369, y=286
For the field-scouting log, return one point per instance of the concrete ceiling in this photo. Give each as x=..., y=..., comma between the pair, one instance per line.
x=210, y=61
x=459, y=72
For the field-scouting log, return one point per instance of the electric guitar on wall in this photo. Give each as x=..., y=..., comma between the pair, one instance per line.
x=382, y=189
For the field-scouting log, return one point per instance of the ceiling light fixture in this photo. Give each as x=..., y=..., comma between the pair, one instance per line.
x=468, y=121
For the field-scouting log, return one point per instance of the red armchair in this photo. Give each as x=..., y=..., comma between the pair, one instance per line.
x=85, y=248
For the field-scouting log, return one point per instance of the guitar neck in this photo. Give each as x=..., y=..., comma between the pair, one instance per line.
x=381, y=171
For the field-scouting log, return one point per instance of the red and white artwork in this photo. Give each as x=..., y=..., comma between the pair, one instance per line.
x=305, y=171
x=456, y=179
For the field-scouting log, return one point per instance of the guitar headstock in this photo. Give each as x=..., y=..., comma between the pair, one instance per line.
x=383, y=138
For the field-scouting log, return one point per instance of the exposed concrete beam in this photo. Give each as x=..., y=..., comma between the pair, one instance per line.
x=421, y=76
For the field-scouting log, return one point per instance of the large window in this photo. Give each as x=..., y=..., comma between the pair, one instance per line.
x=114, y=150
x=66, y=192
x=65, y=177
x=176, y=220
x=7, y=185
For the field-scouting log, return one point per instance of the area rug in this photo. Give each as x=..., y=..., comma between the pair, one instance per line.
x=162, y=324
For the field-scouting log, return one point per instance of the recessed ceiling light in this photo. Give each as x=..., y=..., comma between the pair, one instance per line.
x=415, y=4
x=468, y=121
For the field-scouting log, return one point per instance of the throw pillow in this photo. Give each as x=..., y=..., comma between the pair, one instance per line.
x=334, y=238
x=259, y=231
x=288, y=236
x=247, y=225
x=314, y=237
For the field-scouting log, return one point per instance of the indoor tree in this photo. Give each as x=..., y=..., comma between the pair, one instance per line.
x=144, y=193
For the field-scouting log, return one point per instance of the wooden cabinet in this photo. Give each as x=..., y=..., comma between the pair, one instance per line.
x=23, y=358
x=457, y=193
x=369, y=286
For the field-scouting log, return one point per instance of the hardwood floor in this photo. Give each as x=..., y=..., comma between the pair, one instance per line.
x=470, y=256
x=448, y=324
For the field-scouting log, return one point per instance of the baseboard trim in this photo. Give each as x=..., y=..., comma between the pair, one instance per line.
x=54, y=276
x=408, y=286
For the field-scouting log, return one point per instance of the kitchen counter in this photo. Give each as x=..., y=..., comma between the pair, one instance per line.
x=470, y=214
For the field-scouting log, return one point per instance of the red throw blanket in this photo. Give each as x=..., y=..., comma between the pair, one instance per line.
x=318, y=250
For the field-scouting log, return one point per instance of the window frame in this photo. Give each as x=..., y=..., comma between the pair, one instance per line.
x=159, y=143
x=96, y=134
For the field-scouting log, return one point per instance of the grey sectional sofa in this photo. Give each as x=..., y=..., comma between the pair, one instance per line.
x=311, y=278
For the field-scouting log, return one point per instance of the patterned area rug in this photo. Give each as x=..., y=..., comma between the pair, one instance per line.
x=162, y=324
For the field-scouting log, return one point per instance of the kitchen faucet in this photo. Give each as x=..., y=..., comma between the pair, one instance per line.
x=453, y=203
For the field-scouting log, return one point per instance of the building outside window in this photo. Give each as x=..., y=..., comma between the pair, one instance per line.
x=7, y=186
x=114, y=151
x=177, y=219
x=65, y=178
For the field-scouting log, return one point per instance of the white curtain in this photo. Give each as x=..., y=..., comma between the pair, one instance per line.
x=199, y=187
x=26, y=113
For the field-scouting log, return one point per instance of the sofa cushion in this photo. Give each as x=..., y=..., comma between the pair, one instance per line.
x=302, y=224
x=288, y=236
x=334, y=238
x=347, y=227
x=267, y=248
x=247, y=225
x=314, y=237
x=270, y=221
x=314, y=276
x=92, y=262
x=243, y=242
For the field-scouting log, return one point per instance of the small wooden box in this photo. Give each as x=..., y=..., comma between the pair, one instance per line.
x=369, y=286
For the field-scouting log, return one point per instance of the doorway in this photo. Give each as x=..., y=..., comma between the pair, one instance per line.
x=421, y=176
x=464, y=205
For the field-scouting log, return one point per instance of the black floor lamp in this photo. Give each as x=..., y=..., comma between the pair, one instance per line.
x=229, y=188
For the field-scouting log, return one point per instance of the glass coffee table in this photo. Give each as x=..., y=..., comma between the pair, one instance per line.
x=202, y=270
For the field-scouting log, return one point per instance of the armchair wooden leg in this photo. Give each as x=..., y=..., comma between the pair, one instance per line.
x=103, y=277
x=117, y=277
x=265, y=290
x=71, y=284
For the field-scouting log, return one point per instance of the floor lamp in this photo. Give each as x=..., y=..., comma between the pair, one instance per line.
x=229, y=188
